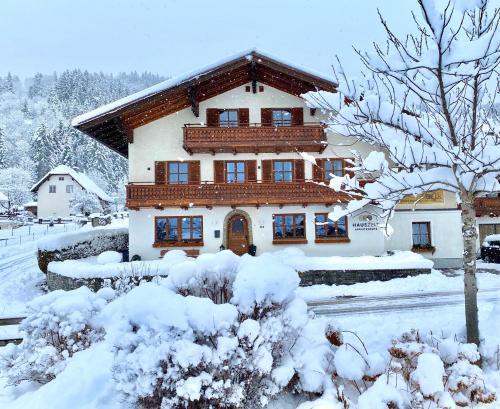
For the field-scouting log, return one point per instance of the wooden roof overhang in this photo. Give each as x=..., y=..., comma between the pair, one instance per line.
x=114, y=127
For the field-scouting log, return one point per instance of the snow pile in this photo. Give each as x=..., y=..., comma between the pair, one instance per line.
x=400, y=260
x=58, y=325
x=109, y=256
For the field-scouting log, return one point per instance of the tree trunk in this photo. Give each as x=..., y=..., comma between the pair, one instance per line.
x=469, y=233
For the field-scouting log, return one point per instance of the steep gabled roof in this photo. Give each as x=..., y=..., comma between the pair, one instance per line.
x=112, y=124
x=82, y=179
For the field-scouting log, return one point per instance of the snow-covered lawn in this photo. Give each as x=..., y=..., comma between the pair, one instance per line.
x=30, y=233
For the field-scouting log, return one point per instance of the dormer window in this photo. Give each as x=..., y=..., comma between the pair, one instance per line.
x=228, y=118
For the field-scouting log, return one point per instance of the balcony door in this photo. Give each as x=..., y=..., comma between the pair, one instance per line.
x=237, y=234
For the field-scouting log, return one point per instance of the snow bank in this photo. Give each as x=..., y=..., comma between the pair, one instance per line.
x=400, y=260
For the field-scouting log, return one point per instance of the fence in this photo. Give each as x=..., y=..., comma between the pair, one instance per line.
x=15, y=236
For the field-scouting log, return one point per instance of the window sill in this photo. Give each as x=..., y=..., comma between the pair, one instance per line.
x=157, y=244
x=290, y=241
x=424, y=250
x=332, y=240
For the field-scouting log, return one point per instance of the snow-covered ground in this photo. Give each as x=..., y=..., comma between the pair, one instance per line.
x=30, y=233
x=377, y=312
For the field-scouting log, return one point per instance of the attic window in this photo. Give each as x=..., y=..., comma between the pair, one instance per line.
x=228, y=118
x=282, y=117
x=61, y=177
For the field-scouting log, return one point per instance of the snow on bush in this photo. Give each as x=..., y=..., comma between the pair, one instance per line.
x=178, y=350
x=57, y=326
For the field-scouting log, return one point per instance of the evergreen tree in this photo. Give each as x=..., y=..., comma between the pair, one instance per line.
x=36, y=88
x=3, y=151
x=9, y=83
x=42, y=151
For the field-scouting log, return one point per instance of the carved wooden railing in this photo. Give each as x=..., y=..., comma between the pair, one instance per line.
x=487, y=206
x=254, y=138
x=231, y=194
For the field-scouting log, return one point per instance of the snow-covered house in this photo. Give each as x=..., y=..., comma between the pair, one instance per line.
x=223, y=157
x=57, y=190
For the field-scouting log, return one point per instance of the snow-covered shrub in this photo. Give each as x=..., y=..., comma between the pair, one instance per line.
x=178, y=351
x=439, y=372
x=57, y=325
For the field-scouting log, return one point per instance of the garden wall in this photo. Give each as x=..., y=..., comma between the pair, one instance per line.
x=80, y=244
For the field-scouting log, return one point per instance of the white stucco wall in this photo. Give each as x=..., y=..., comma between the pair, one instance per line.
x=362, y=242
x=446, y=234
x=56, y=204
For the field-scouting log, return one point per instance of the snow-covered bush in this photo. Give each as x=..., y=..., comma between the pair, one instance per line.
x=57, y=325
x=440, y=373
x=175, y=350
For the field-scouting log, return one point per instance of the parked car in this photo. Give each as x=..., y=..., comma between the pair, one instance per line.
x=490, y=249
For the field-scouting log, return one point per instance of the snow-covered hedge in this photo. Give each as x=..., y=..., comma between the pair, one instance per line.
x=80, y=244
x=58, y=325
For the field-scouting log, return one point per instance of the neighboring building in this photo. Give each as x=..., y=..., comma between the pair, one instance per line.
x=488, y=216
x=214, y=163
x=56, y=189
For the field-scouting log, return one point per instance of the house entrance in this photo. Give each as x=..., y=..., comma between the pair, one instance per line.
x=237, y=234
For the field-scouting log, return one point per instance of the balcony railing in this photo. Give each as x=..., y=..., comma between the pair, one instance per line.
x=231, y=194
x=254, y=138
x=487, y=206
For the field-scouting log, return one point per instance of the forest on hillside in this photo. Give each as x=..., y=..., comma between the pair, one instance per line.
x=36, y=133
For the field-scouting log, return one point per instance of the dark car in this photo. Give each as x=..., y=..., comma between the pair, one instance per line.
x=490, y=249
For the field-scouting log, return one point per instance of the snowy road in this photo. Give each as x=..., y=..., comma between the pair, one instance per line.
x=363, y=305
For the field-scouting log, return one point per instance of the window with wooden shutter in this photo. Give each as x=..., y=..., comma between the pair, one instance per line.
x=251, y=167
x=298, y=168
x=177, y=173
x=160, y=172
x=267, y=170
x=297, y=116
x=266, y=116
x=244, y=116
x=219, y=171
x=212, y=117
x=194, y=172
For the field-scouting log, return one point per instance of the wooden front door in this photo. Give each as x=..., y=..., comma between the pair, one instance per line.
x=237, y=237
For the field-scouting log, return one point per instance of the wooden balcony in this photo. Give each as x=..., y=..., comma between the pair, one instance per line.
x=231, y=194
x=254, y=138
x=487, y=206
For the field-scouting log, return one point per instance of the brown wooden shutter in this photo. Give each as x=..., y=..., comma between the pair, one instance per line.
x=219, y=171
x=243, y=116
x=267, y=170
x=298, y=170
x=212, y=117
x=194, y=171
x=251, y=170
x=266, y=116
x=160, y=172
x=319, y=170
x=346, y=164
x=297, y=116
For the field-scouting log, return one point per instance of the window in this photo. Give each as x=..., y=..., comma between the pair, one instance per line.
x=421, y=232
x=283, y=170
x=281, y=117
x=289, y=227
x=69, y=188
x=235, y=172
x=61, y=177
x=333, y=167
x=52, y=188
x=328, y=230
x=179, y=230
x=178, y=173
x=228, y=118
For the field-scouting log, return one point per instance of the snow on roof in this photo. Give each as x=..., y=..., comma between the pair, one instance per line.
x=82, y=179
x=172, y=82
x=492, y=237
x=3, y=198
x=30, y=204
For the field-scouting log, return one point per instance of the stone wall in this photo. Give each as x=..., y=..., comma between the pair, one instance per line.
x=60, y=282
x=346, y=277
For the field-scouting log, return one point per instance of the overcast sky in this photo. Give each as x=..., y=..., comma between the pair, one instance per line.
x=171, y=36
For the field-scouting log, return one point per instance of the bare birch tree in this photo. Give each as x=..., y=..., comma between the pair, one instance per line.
x=426, y=102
